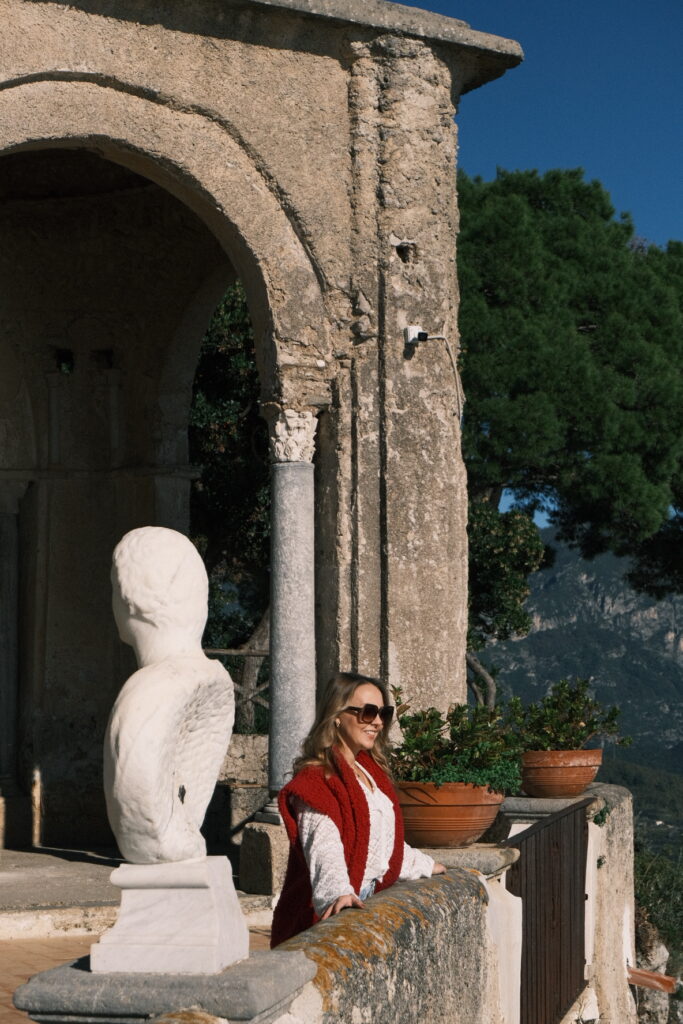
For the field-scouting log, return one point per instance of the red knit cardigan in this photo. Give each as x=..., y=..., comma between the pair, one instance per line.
x=339, y=797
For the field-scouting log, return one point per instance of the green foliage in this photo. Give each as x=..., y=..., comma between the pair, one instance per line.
x=468, y=744
x=658, y=806
x=230, y=502
x=572, y=347
x=601, y=817
x=504, y=547
x=657, y=566
x=657, y=797
x=566, y=718
x=659, y=890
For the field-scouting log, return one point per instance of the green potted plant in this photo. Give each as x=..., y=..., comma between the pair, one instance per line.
x=452, y=772
x=552, y=734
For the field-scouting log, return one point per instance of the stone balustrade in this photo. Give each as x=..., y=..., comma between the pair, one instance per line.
x=447, y=948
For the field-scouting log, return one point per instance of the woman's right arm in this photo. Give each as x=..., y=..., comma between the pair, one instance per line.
x=322, y=848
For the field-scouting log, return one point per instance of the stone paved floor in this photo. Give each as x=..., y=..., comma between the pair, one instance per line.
x=33, y=879
x=21, y=958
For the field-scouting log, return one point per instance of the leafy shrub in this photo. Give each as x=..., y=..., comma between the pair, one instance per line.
x=565, y=719
x=659, y=890
x=468, y=744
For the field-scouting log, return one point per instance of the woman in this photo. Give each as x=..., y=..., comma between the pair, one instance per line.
x=341, y=813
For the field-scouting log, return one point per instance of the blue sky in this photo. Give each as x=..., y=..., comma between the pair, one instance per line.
x=601, y=88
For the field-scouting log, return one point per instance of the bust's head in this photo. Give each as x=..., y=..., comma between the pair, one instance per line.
x=159, y=582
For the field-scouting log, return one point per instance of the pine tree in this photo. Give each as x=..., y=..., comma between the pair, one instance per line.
x=572, y=363
x=572, y=358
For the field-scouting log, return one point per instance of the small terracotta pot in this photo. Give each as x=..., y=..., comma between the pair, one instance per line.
x=556, y=773
x=450, y=815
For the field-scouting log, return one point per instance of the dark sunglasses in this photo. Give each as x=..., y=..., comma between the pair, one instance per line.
x=369, y=712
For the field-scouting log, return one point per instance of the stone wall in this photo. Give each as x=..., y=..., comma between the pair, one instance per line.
x=241, y=791
x=611, y=902
x=421, y=951
x=443, y=950
x=439, y=950
x=418, y=952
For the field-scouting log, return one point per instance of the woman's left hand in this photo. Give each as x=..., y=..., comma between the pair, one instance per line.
x=439, y=869
x=348, y=900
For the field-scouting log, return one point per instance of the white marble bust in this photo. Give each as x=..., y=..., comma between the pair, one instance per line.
x=172, y=721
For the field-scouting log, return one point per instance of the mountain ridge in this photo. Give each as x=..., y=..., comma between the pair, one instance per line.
x=587, y=621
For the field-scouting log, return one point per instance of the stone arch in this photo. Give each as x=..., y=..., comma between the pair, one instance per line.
x=196, y=157
x=197, y=161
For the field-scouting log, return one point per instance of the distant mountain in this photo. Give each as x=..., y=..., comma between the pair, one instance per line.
x=588, y=622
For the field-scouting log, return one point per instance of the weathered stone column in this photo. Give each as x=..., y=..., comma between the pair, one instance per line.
x=425, y=485
x=292, y=609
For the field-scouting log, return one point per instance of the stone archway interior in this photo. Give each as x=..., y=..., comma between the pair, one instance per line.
x=108, y=283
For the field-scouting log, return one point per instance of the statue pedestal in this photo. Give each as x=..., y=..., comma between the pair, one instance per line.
x=178, y=918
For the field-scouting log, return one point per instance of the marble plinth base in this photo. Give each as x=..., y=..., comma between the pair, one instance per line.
x=181, y=918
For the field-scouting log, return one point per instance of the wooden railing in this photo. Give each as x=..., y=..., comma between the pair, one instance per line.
x=550, y=877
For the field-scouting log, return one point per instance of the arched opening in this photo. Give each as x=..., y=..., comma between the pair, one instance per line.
x=200, y=170
x=230, y=504
x=108, y=285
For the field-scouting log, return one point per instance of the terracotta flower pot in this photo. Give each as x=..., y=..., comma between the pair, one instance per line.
x=453, y=814
x=556, y=773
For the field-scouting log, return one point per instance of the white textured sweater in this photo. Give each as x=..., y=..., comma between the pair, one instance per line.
x=324, y=853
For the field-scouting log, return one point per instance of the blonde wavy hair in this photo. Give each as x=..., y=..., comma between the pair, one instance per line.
x=316, y=749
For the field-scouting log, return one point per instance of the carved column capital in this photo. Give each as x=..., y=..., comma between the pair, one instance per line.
x=292, y=434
